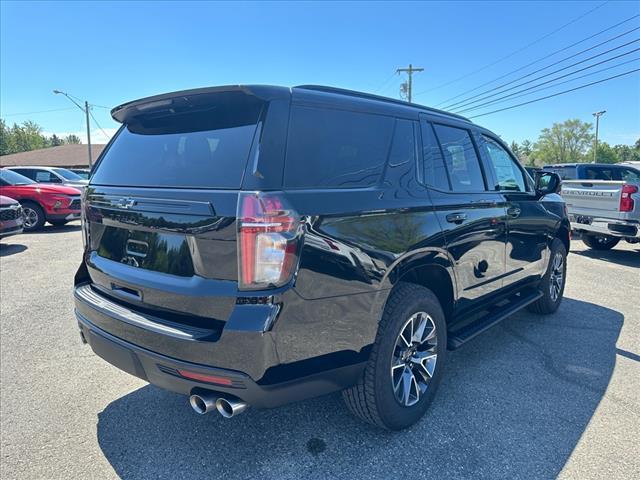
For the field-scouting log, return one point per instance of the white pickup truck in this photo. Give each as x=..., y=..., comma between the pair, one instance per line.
x=603, y=202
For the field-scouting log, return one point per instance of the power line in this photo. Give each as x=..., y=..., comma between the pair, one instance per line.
x=384, y=83
x=407, y=87
x=548, y=66
x=557, y=94
x=518, y=50
x=539, y=77
x=39, y=111
x=536, y=90
x=548, y=81
x=536, y=61
x=96, y=121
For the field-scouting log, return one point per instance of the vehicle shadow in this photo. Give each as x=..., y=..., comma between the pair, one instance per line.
x=11, y=249
x=513, y=404
x=628, y=258
x=69, y=227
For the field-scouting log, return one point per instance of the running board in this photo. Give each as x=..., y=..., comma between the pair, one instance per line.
x=459, y=337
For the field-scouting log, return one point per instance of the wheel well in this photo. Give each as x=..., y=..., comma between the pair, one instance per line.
x=563, y=234
x=436, y=279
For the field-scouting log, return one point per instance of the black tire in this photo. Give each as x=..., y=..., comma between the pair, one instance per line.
x=600, y=242
x=34, y=217
x=58, y=223
x=373, y=398
x=549, y=302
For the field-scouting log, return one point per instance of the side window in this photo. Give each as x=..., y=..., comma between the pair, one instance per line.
x=629, y=175
x=508, y=174
x=27, y=172
x=43, y=176
x=433, y=169
x=403, y=147
x=336, y=148
x=460, y=158
x=599, y=173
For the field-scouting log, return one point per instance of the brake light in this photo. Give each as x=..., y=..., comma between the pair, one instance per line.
x=269, y=234
x=626, y=202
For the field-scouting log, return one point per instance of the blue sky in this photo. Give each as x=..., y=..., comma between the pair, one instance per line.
x=109, y=53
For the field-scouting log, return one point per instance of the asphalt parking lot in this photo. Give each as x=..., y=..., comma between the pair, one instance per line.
x=532, y=398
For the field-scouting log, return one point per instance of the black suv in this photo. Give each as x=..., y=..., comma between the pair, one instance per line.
x=255, y=246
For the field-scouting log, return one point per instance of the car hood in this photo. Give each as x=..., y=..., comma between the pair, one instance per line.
x=7, y=201
x=46, y=188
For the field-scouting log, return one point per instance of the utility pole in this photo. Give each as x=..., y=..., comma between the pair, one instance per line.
x=85, y=109
x=86, y=113
x=595, y=148
x=410, y=71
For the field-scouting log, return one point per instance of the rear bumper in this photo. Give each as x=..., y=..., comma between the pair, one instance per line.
x=605, y=226
x=132, y=341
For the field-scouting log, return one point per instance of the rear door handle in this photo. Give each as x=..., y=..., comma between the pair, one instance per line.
x=456, y=217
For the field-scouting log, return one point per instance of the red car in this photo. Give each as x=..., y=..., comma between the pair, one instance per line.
x=40, y=202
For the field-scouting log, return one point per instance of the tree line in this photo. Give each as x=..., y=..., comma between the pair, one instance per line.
x=28, y=136
x=572, y=141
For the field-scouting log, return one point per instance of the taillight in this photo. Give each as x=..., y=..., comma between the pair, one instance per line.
x=626, y=202
x=269, y=234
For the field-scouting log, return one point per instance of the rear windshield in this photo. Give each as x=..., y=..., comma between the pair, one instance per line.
x=201, y=145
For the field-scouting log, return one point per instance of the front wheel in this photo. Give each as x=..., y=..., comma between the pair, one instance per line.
x=406, y=361
x=33, y=216
x=600, y=242
x=553, y=281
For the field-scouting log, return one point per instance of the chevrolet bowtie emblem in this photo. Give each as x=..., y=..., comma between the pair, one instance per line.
x=125, y=202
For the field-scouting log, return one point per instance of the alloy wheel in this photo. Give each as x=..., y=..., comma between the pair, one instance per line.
x=557, y=276
x=414, y=359
x=30, y=217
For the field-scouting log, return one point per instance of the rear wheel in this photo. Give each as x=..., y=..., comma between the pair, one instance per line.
x=552, y=284
x=33, y=216
x=600, y=242
x=406, y=361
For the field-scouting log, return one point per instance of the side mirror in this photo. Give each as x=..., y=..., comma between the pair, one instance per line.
x=547, y=182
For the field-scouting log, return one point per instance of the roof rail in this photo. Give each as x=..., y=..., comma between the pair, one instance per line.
x=354, y=93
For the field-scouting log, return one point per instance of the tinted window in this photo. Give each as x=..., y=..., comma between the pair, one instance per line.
x=27, y=172
x=507, y=173
x=9, y=177
x=629, y=174
x=335, y=149
x=599, y=173
x=68, y=174
x=434, y=171
x=403, y=148
x=206, y=145
x=460, y=158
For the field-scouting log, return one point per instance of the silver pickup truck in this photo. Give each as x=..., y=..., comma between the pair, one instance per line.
x=603, y=211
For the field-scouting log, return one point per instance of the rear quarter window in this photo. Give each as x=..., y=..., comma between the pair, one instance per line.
x=335, y=149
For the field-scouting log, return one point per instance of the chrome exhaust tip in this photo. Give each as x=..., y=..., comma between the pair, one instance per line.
x=228, y=407
x=203, y=403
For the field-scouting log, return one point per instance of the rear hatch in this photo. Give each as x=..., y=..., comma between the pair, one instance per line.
x=593, y=198
x=161, y=206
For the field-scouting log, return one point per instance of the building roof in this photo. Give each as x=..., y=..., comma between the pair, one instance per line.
x=72, y=155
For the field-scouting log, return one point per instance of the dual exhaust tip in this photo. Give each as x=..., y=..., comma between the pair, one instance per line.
x=204, y=403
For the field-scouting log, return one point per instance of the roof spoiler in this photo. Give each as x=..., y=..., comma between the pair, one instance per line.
x=168, y=101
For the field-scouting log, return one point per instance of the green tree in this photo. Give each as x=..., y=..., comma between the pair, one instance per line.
x=72, y=139
x=568, y=141
x=606, y=154
x=56, y=141
x=7, y=141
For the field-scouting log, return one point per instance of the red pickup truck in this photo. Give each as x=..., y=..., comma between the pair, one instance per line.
x=40, y=202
